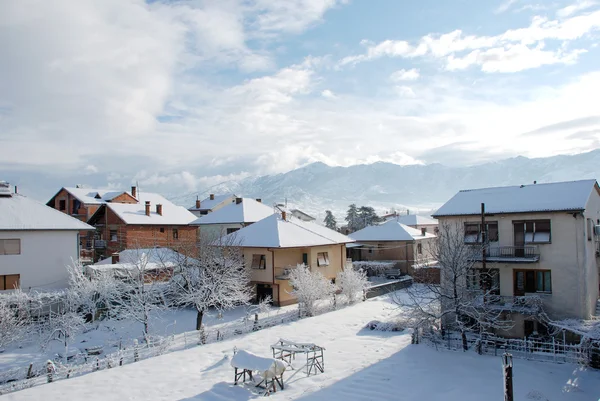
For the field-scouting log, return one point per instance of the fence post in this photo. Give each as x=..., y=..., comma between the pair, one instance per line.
x=507, y=366
x=50, y=371
x=554, y=349
x=30, y=371
x=136, y=355
x=255, y=325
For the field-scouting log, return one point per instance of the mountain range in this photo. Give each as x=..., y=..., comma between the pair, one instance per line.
x=385, y=186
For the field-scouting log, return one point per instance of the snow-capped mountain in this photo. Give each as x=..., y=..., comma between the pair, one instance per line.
x=419, y=188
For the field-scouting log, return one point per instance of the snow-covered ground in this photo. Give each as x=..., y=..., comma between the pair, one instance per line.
x=360, y=364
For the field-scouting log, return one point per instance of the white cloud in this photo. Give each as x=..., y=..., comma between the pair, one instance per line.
x=90, y=168
x=575, y=8
x=505, y=6
x=328, y=94
x=405, y=75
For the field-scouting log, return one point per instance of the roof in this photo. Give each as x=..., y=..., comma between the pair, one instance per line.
x=208, y=204
x=135, y=213
x=551, y=197
x=273, y=232
x=413, y=220
x=391, y=230
x=156, y=255
x=306, y=215
x=17, y=212
x=93, y=196
x=248, y=211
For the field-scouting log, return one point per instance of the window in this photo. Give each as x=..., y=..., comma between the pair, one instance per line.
x=113, y=235
x=530, y=281
x=322, y=259
x=10, y=246
x=477, y=279
x=537, y=231
x=259, y=261
x=175, y=233
x=10, y=281
x=590, y=229
x=76, y=206
x=232, y=230
x=473, y=232
x=62, y=204
x=162, y=229
x=419, y=249
x=204, y=212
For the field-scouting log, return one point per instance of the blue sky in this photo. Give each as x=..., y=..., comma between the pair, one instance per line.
x=190, y=93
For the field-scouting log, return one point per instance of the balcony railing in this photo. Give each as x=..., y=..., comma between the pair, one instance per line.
x=100, y=244
x=516, y=254
x=522, y=304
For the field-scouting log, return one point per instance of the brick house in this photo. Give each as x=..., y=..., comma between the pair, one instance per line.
x=151, y=221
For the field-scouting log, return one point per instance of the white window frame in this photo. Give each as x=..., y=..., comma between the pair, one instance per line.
x=322, y=259
x=9, y=249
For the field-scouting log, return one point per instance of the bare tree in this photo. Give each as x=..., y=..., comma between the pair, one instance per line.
x=14, y=317
x=353, y=283
x=309, y=287
x=216, y=278
x=461, y=302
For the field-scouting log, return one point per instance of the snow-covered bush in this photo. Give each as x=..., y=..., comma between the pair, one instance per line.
x=14, y=317
x=385, y=326
x=353, y=284
x=309, y=287
x=374, y=267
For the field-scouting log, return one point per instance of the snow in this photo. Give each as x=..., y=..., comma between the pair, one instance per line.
x=248, y=211
x=18, y=212
x=207, y=204
x=269, y=367
x=273, y=232
x=88, y=195
x=156, y=255
x=413, y=220
x=135, y=213
x=360, y=364
x=391, y=230
x=557, y=196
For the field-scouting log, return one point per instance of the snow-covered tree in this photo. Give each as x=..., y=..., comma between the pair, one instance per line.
x=461, y=301
x=367, y=216
x=353, y=283
x=330, y=221
x=216, y=278
x=309, y=287
x=14, y=317
x=352, y=218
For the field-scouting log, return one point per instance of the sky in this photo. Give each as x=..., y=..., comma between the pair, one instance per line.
x=190, y=93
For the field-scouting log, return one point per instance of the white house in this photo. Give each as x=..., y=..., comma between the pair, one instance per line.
x=37, y=242
x=211, y=204
x=239, y=214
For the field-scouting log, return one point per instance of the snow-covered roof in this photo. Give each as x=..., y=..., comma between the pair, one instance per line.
x=208, y=204
x=300, y=214
x=17, y=212
x=135, y=213
x=156, y=255
x=247, y=211
x=413, y=220
x=273, y=232
x=557, y=196
x=94, y=196
x=391, y=230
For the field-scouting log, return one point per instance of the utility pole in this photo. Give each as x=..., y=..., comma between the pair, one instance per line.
x=507, y=365
x=484, y=272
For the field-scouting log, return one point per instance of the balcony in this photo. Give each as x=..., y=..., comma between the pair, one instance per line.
x=528, y=305
x=100, y=244
x=510, y=254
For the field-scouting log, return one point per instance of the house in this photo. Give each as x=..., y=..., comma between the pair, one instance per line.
x=392, y=241
x=151, y=221
x=81, y=203
x=297, y=213
x=232, y=217
x=279, y=243
x=542, y=241
x=37, y=242
x=211, y=204
x=415, y=221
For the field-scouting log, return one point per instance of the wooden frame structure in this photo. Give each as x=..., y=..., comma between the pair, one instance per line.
x=270, y=371
x=286, y=351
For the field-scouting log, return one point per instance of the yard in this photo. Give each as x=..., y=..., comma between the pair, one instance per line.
x=360, y=364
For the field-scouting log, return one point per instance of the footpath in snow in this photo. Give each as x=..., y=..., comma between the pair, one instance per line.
x=360, y=364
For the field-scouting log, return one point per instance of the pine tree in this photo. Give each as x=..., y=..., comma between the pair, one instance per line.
x=367, y=217
x=330, y=220
x=352, y=218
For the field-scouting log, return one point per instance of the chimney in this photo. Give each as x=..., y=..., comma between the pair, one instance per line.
x=535, y=182
x=212, y=196
x=197, y=203
x=259, y=200
x=407, y=212
x=134, y=192
x=238, y=201
x=147, y=208
x=423, y=231
x=114, y=258
x=283, y=216
x=16, y=190
x=159, y=209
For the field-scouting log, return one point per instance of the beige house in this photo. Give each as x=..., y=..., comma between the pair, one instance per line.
x=542, y=241
x=211, y=204
x=279, y=243
x=236, y=215
x=391, y=241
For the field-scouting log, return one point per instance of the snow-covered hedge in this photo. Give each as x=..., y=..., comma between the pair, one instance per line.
x=374, y=268
x=385, y=326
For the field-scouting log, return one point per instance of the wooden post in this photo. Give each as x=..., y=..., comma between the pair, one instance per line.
x=507, y=366
x=136, y=355
x=50, y=371
x=30, y=371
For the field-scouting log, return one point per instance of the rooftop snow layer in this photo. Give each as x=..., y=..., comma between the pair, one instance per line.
x=94, y=196
x=273, y=232
x=557, y=196
x=149, y=255
x=135, y=213
x=391, y=230
x=248, y=211
x=413, y=220
x=207, y=204
x=17, y=212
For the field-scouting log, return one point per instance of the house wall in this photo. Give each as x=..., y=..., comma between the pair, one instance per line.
x=591, y=279
x=213, y=231
x=43, y=259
